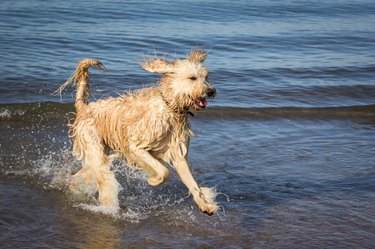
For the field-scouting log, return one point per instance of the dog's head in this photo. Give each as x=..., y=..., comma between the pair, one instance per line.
x=184, y=81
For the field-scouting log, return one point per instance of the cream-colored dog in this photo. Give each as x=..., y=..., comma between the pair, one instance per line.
x=148, y=128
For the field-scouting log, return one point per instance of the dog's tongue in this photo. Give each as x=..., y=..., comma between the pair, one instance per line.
x=203, y=103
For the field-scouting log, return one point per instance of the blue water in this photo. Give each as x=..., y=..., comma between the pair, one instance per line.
x=288, y=141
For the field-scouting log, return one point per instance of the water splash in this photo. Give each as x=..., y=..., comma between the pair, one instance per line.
x=54, y=170
x=7, y=113
x=124, y=215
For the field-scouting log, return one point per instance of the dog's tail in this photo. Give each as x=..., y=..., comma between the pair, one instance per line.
x=81, y=78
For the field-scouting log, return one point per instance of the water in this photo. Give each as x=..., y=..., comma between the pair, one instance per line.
x=288, y=142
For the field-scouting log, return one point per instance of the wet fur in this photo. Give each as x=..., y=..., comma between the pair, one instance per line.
x=148, y=128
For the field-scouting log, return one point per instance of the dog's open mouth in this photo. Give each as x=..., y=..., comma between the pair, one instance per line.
x=200, y=103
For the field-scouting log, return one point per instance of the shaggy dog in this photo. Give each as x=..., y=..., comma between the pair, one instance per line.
x=148, y=128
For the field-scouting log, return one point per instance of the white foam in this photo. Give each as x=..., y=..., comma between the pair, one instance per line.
x=5, y=114
x=19, y=112
x=128, y=215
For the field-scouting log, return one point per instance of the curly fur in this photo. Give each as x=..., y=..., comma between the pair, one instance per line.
x=148, y=127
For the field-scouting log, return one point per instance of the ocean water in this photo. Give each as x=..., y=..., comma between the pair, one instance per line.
x=288, y=143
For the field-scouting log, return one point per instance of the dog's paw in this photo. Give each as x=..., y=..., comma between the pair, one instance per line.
x=155, y=181
x=209, y=205
x=158, y=179
x=209, y=194
x=209, y=209
x=78, y=186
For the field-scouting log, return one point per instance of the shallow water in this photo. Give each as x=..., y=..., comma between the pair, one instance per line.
x=283, y=182
x=288, y=142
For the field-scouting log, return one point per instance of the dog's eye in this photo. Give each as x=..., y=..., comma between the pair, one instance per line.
x=193, y=78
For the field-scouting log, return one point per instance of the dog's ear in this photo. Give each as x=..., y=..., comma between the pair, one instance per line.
x=197, y=55
x=157, y=66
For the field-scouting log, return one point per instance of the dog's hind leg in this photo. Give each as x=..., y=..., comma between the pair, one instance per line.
x=84, y=181
x=97, y=167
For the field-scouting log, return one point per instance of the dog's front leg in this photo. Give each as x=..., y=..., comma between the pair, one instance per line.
x=158, y=172
x=204, y=197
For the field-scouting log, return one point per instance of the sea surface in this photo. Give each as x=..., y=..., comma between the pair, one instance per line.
x=288, y=143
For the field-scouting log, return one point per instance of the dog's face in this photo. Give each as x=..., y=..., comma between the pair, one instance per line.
x=186, y=79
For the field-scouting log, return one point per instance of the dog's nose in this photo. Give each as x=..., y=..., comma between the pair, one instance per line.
x=211, y=92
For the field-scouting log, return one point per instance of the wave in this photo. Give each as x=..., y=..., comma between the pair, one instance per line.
x=53, y=111
x=348, y=112
x=31, y=112
x=317, y=72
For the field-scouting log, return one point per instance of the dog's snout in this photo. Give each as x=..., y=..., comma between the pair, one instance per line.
x=211, y=92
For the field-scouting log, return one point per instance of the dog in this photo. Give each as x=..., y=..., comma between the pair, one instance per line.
x=148, y=128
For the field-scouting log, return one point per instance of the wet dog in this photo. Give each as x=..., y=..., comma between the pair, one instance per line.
x=148, y=128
